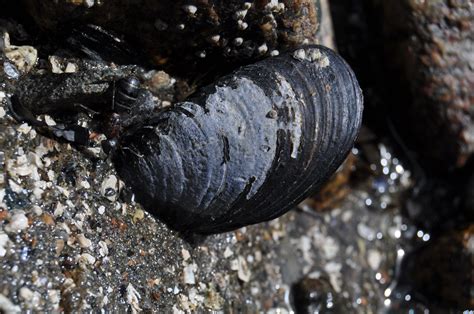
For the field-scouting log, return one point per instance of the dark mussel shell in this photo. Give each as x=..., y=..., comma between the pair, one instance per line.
x=247, y=148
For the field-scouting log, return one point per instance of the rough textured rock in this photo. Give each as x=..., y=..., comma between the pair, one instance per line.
x=71, y=240
x=446, y=260
x=183, y=35
x=429, y=53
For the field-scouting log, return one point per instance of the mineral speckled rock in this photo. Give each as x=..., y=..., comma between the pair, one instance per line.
x=183, y=35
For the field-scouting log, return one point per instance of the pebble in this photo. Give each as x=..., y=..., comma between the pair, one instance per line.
x=374, y=259
x=109, y=187
x=37, y=210
x=70, y=68
x=243, y=272
x=185, y=254
x=32, y=298
x=334, y=271
x=49, y=120
x=17, y=223
x=55, y=64
x=7, y=306
x=2, y=111
x=366, y=232
x=101, y=210
x=83, y=241
x=59, y=210
x=133, y=297
x=15, y=186
x=86, y=259
x=24, y=57
x=103, y=249
x=213, y=300
x=54, y=297
x=59, y=246
x=177, y=311
x=138, y=215
x=228, y=252
x=51, y=175
x=329, y=246
x=85, y=184
x=188, y=275
x=3, y=243
x=10, y=70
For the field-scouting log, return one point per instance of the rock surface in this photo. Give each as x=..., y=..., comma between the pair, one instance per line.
x=429, y=54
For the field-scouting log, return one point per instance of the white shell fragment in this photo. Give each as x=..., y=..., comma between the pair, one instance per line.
x=24, y=57
x=18, y=222
x=109, y=188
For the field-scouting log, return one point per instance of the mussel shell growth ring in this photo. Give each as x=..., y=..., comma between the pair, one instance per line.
x=247, y=148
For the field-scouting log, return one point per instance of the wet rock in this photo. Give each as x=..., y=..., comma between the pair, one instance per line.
x=315, y=295
x=446, y=260
x=414, y=62
x=428, y=55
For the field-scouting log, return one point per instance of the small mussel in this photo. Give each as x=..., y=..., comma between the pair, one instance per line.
x=247, y=148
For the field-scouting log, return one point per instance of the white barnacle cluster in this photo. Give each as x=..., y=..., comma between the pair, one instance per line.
x=238, y=41
x=272, y=7
x=240, y=15
x=215, y=38
x=262, y=49
x=275, y=6
x=311, y=55
x=190, y=9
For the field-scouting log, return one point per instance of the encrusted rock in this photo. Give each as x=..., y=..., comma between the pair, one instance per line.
x=181, y=35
